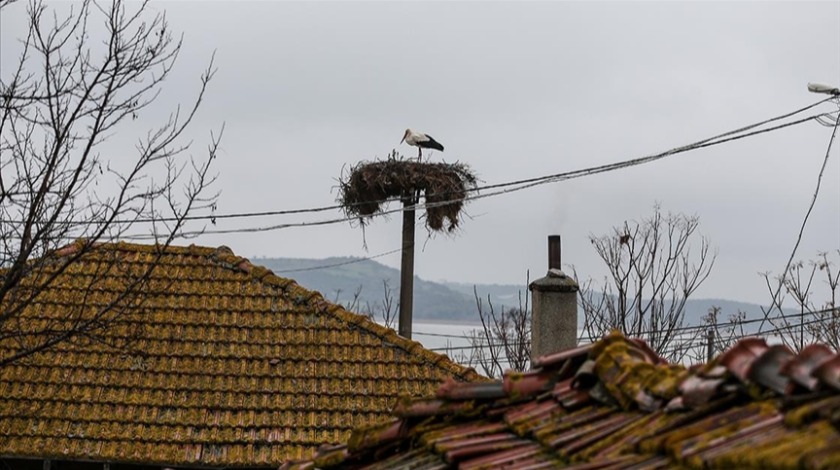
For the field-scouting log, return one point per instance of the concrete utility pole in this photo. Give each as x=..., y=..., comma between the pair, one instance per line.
x=407, y=266
x=710, y=345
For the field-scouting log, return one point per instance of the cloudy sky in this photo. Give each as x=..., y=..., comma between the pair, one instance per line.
x=518, y=90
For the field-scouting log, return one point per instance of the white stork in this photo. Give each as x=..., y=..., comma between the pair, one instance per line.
x=421, y=141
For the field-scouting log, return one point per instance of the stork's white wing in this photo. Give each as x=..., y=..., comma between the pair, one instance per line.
x=416, y=138
x=420, y=137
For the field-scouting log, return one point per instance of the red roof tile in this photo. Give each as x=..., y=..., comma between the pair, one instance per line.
x=616, y=405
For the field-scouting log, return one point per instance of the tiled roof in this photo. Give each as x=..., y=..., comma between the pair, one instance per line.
x=617, y=405
x=225, y=364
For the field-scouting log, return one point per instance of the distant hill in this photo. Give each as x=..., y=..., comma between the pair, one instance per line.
x=447, y=301
x=432, y=300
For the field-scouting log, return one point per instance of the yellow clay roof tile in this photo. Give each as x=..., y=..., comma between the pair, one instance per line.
x=215, y=362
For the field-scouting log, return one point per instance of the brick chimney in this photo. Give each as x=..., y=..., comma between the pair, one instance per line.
x=554, y=307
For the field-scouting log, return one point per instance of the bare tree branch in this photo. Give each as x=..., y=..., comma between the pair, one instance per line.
x=817, y=320
x=66, y=96
x=651, y=273
x=504, y=341
x=776, y=295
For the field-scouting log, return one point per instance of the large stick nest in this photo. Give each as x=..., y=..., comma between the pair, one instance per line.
x=368, y=186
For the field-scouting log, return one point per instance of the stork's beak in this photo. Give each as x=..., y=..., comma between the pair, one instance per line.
x=402, y=140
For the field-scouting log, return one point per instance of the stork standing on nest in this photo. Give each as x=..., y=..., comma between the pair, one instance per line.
x=421, y=141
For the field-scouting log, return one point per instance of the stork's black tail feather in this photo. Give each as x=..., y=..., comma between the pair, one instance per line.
x=431, y=144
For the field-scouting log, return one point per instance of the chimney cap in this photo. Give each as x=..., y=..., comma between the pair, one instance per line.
x=556, y=273
x=554, y=281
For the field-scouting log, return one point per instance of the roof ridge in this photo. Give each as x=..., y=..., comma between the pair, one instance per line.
x=226, y=258
x=316, y=300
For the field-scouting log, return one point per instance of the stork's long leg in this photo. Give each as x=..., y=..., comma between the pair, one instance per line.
x=419, y=154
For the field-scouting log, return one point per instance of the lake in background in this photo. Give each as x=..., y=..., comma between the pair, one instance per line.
x=438, y=336
x=452, y=339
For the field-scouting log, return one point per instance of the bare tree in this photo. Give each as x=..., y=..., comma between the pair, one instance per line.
x=387, y=308
x=504, y=341
x=653, y=270
x=384, y=311
x=355, y=300
x=721, y=335
x=62, y=179
x=817, y=317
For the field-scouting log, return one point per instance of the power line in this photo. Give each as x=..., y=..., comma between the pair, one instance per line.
x=344, y=263
x=516, y=184
x=683, y=348
x=444, y=335
x=804, y=221
x=519, y=185
x=477, y=346
x=681, y=330
x=701, y=143
x=509, y=187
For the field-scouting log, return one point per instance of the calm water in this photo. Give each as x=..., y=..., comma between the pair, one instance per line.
x=437, y=336
x=453, y=339
x=447, y=338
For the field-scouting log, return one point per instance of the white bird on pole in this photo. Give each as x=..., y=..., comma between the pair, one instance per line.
x=421, y=141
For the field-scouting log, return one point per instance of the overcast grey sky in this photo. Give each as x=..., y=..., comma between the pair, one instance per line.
x=519, y=90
